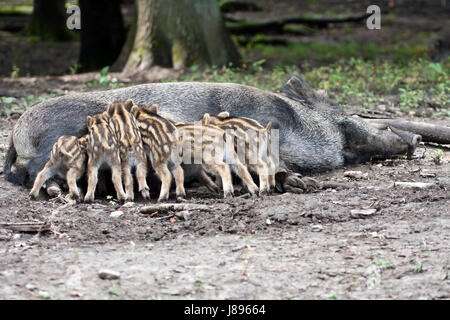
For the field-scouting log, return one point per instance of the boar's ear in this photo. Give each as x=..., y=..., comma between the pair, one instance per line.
x=206, y=118
x=128, y=105
x=268, y=126
x=223, y=115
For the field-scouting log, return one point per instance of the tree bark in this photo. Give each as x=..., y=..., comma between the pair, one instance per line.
x=180, y=33
x=102, y=33
x=142, y=54
x=130, y=27
x=48, y=20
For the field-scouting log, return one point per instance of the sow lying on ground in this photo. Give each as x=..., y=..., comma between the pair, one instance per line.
x=314, y=133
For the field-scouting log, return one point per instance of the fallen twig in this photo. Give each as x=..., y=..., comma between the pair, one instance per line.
x=337, y=185
x=28, y=226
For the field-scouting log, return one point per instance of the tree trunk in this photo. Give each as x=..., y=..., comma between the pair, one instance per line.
x=48, y=20
x=130, y=27
x=102, y=33
x=180, y=33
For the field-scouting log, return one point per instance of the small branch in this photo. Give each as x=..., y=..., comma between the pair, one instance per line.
x=337, y=185
x=27, y=226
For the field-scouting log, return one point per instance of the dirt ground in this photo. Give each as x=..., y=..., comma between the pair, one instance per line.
x=318, y=245
x=282, y=246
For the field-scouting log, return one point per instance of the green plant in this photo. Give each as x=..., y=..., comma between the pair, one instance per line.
x=116, y=290
x=28, y=101
x=418, y=268
x=333, y=296
x=75, y=68
x=111, y=200
x=383, y=264
x=15, y=71
x=437, y=156
x=45, y=295
x=103, y=77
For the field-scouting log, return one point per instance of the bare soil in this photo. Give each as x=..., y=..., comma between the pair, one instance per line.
x=282, y=246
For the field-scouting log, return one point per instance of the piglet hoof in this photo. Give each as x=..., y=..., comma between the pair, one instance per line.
x=228, y=195
x=162, y=199
x=88, y=199
x=53, y=190
x=145, y=194
x=255, y=192
x=73, y=196
x=181, y=196
x=34, y=195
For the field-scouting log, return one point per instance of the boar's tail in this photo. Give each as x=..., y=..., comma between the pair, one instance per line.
x=20, y=174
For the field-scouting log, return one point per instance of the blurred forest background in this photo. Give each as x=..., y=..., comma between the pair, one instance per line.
x=400, y=69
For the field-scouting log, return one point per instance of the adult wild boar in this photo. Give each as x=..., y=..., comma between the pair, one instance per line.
x=314, y=133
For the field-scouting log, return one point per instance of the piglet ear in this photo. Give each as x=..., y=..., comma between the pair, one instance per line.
x=268, y=126
x=82, y=141
x=110, y=109
x=153, y=108
x=129, y=104
x=223, y=114
x=89, y=121
x=134, y=110
x=206, y=118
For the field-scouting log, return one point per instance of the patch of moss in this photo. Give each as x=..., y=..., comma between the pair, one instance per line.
x=298, y=53
x=16, y=10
